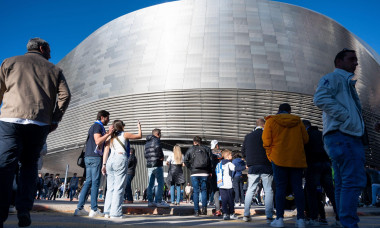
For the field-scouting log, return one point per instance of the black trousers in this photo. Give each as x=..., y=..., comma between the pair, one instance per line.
x=228, y=204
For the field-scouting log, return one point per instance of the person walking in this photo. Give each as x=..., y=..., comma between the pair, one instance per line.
x=132, y=163
x=95, y=144
x=216, y=157
x=56, y=183
x=175, y=174
x=74, y=181
x=284, y=137
x=259, y=168
x=115, y=165
x=34, y=96
x=154, y=162
x=344, y=133
x=198, y=160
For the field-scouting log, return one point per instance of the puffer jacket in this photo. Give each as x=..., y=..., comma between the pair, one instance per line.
x=284, y=137
x=153, y=152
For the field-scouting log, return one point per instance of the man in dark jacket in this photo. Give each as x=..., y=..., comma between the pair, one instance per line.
x=154, y=162
x=259, y=167
x=318, y=173
x=198, y=160
x=132, y=163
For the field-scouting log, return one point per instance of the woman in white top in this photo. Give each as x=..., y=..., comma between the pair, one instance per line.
x=175, y=174
x=115, y=160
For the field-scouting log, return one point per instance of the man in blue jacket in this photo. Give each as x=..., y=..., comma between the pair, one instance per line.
x=343, y=129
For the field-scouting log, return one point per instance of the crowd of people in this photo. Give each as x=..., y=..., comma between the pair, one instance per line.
x=278, y=153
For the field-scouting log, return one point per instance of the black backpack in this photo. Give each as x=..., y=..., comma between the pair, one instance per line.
x=201, y=158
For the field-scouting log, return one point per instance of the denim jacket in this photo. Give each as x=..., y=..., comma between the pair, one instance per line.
x=337, y=97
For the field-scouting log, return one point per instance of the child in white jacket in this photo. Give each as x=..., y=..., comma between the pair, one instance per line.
x=226, y=189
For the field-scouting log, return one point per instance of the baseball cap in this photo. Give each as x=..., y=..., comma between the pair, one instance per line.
x=213, y=144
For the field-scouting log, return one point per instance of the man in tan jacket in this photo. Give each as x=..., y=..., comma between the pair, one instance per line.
x=284, y=137
x=34, y=96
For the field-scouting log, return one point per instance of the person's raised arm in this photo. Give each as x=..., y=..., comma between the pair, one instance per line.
x=128, y=135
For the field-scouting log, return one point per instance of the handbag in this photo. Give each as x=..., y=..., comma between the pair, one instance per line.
x=80, y=160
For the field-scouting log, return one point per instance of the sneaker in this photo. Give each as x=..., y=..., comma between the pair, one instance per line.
x=24, y=219
x=107, y=216
x=279, y=222
x=323, y=222
x=234, y=217
x=196, y=213
x=226, y=217
x=163, y=204
x=152, y=204
x=204, y=211
x=96, y=213
x=237, y=205
x=247, y=218
x=301, y=223
x=312, y=222
x=242, y=204
x=270, y=220
x=80, y=212
x=117, y=217
x=12, y=209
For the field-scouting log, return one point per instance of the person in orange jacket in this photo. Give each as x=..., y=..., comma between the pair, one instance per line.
x=284, y=137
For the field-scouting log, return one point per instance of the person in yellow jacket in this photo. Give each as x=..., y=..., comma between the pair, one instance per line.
x=284, y=137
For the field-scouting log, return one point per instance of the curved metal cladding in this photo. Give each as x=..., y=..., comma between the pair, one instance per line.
x=208, y=68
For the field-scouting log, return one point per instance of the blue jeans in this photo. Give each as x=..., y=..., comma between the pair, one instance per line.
x=153, y=174
x=199, y=186
x=93, y=168
x=253, y=180
x=174, y=187
x=116, y=180
x=73, y=189
x=19, y=143
x=281, y=177
x=348, y=157
x=128, y=188
x=375, y=191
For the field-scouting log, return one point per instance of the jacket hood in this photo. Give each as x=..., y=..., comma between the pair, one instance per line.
x=285, y=120
x=225, y=161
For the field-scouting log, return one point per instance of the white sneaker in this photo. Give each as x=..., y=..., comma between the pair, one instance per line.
x=80, y=212
x=234, y=217
x=152, y=204
x=226, y=217
x=246, y=218
x=96, y=213
x=163, y=204
x=301, y=223
x=279, y=222
x=107, y=216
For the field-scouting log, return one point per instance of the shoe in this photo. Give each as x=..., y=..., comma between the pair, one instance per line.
x=196, y=213
x=312, y=222
x=152, y=204
x=338, y=224
x=269, y=220
x=234, y=217
x=242, y=204
x=12, y=209
x=247, y=218
x=204, y=211
x=279, y=222
x=96, y=213
x=117, y=217
x=163, y=204
x=237, y=205
x=24, y=219
x=107, y=216
x=323, y=222
x=301, y=223
x=218, y=213
x=80, y=212
x=226, y=217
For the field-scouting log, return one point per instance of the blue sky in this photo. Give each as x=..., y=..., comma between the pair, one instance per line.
x=65, y=23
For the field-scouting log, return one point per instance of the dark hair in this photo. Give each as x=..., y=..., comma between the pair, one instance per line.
x=236, y=154
x=156, y=131
x=118, y=125
x=197, y=139
x=306, y=123
x=101, y=113
x=284, y=107
x=36, y=43
x=132, y=150
x=342, y=54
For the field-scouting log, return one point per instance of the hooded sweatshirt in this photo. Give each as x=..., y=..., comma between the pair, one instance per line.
x=284, y=137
